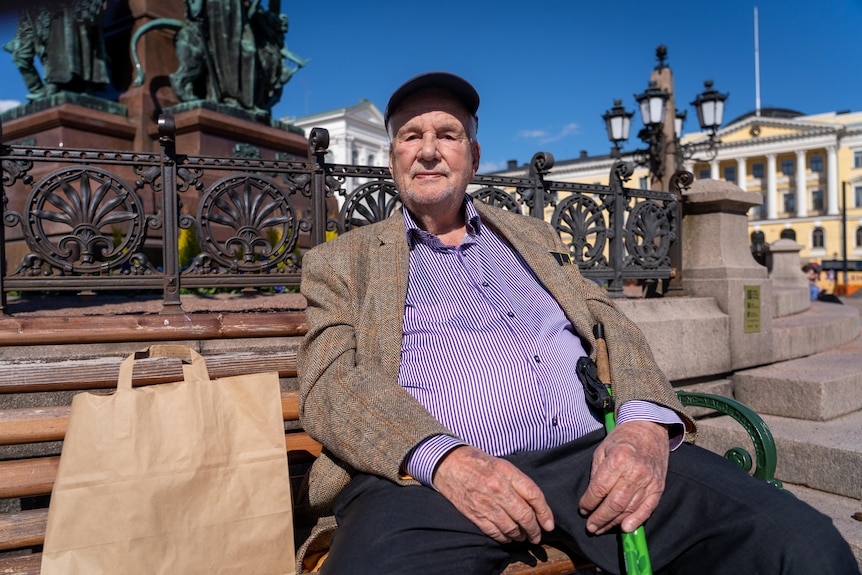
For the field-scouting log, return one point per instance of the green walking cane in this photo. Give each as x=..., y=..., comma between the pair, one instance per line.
x=596, y=378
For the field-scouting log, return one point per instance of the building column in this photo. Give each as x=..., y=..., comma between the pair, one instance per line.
x=771, y=189
x=801, y=187
x=832, y=180
x=713, y=170
x=741, y=176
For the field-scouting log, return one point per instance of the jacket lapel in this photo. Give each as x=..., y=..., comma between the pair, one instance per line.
x=390, y=259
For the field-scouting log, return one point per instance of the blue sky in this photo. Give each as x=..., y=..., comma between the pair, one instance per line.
x=547, y=71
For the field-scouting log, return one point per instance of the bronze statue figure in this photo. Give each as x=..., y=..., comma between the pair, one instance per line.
x=229, y=51
x=67, y=38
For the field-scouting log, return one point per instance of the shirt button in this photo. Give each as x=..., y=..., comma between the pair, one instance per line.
x=511, y=314
x=485, y=284
x=536, y=357
x=554, y=422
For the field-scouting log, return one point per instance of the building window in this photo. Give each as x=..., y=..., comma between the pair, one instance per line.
x=370, y=160
x=730, y=174
x=857, y=159
x=787, y=167
x=643, y=183
x=757, y=170
x=815, y=163
x=858, y=195
x=703, y=174
x=817, y=200
x=859, y=237
x=789, y=203
x=817, y=239
x=788, y=234
x=354, y=157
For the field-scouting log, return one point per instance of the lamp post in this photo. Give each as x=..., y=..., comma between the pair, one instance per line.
x=664, y=153
x=662, y=131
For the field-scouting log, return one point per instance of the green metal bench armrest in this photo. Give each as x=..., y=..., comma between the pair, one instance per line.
x=758, y=431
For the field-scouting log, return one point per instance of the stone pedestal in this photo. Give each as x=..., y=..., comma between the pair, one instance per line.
x=789, y=284
x=208, y=129
x=717, y=263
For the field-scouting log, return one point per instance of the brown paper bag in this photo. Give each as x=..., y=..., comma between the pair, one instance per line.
x=173, y=479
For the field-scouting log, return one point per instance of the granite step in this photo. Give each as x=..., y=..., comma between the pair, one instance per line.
x=823, y=455
x=819, y=387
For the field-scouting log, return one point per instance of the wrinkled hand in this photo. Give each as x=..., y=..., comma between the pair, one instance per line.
x=627, y=477
x=494, y=494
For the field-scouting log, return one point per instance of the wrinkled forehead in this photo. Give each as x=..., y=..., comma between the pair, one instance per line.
x=429, y=100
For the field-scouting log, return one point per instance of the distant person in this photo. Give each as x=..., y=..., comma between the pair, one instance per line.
x=812, y=272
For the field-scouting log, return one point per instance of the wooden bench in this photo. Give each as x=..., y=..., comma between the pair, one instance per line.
x=30, y=444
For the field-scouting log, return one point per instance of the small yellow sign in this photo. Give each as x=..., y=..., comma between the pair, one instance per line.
x=752, y=309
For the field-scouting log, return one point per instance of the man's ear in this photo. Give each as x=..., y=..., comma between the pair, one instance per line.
x=391, y=158
x=477, y=153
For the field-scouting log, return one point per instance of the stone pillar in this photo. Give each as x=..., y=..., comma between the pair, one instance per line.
x=789, y=284
x=717, y=263
x=771, y=189
x=714, y=172
x=742, y=176
x=801, y=187
x=832, y=180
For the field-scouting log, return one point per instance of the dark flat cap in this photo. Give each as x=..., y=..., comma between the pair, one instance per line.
x=460, y=88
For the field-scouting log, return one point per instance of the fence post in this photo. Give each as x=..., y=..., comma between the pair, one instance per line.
x=540, y=165
x=620, y=172
x=4, y=310
x=170, y=216
x=318, y=142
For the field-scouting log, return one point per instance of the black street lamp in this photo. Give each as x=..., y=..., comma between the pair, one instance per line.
x=653, y=102
x=710, y=108
x=618, y=123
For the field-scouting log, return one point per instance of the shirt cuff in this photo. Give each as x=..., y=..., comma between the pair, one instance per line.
x=423, y=460
x=638, y=410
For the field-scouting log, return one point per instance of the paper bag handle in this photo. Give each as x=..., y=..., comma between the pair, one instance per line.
x=195, y=366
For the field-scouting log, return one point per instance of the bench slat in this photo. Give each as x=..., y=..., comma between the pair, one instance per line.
x=22, y=529
x=556, y=563
x=22, y=565
x=38, y=424
x=87, y=374
x=27, y=477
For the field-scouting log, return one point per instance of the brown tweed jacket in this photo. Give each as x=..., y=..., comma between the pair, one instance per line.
x=350, y=399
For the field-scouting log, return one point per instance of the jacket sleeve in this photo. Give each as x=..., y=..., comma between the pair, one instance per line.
x=350, y=400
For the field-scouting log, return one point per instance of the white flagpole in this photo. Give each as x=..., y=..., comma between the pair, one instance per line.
x=756, y=66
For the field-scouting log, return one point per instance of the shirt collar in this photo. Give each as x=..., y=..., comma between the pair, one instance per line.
x=415, y=234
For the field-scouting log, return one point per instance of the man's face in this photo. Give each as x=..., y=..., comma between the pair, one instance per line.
x=431, y=157
x=813, y=276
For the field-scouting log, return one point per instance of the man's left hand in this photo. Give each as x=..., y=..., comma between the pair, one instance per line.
x=627, y=478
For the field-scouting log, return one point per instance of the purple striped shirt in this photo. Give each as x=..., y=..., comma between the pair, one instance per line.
x=490, y=353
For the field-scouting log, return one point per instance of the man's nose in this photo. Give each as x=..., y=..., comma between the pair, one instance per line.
x=429, y=150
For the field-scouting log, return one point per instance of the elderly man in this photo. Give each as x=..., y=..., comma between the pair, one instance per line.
x=439, y=374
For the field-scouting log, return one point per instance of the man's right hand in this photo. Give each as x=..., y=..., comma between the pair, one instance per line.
x=494, y=494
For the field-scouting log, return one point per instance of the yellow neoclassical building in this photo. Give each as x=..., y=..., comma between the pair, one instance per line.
x=808, y=168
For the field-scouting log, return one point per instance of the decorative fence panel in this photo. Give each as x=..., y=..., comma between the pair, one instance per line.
x=97, y=220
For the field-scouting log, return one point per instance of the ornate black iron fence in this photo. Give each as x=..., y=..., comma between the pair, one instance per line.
x=95, y=220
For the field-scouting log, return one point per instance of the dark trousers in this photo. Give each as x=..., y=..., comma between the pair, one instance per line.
x=713, y=518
